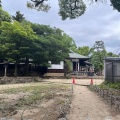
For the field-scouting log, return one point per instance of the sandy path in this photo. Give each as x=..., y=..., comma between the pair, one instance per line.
x=87, y=105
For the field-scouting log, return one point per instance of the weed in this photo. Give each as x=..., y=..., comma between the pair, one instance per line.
x=107, y=85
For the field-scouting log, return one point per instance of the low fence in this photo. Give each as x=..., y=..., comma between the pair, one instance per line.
x=112, y=96
x=87, y=77
x=82, y=73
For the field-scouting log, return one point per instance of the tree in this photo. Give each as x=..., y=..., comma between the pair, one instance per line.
x=18, y=17
x=67, y=8
x=18, y=41
x=110, y=54
x=115, y=4
x=84, y=50
x=97, y=61
x=98, y=53
x=71, y=8
x=40, y=43
x=53, y=44
x=4, y=16
x=67, y=67
x=0, y=3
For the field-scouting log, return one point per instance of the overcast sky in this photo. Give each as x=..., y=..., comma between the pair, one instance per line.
x=100, y=22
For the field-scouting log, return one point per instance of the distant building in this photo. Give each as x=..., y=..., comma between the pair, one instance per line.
x=80, y=65
x=79, y=62
x=55, y=69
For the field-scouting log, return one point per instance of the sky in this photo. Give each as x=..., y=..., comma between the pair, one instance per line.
x=99, y=22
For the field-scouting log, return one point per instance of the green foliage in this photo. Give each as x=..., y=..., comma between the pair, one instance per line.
x=67, y=67
x=110, y=54
x=0, y=3
x=18, y=17
x=21, y=41
x=107, y=85
x=84, y=50
x=68, y=8
x=18, y=41
x=54, y=44
x=71, y=8
x=115, y=4
x=37, y=5
x=4, y=16
x=97, y=60
x=98, y=53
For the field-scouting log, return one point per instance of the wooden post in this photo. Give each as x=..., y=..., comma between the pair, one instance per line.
x=5, y=74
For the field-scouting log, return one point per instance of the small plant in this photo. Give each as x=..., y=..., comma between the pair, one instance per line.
x=107, y=85
x=32, y=99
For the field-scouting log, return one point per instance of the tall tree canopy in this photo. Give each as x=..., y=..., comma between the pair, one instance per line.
x=4, y=16
x=84, y=50
x=68, y=8
x=98, y=53
x=17, y=41
x=54, y=41
x=110, y=54
x=71, y=8
x=22, y=41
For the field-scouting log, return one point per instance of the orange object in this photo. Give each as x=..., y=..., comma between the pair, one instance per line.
x=73, y=81
x=91, y=81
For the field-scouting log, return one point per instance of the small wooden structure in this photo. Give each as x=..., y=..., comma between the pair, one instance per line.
x=112, y=69
x=80, y=64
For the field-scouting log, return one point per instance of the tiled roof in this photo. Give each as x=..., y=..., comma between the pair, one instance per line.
x=112, y=58
x=75, y=55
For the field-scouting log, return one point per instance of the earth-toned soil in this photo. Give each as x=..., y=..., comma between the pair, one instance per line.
x=85, y=105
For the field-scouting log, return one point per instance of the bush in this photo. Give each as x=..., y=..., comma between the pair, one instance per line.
x=67, y=67
x=107, y=84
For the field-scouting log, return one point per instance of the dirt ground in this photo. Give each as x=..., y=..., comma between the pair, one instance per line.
x=86, y=105
x=34, y=101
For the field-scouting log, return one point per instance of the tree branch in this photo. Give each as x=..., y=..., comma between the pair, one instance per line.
x=74, y=6
x=37, y=2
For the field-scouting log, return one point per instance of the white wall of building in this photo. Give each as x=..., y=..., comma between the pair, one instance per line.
x=56, y=66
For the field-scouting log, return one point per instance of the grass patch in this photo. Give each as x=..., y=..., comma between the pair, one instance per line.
x=36, y=101
x=32, y=99
x=35, y=89
x=107, y=85
x=37, y=93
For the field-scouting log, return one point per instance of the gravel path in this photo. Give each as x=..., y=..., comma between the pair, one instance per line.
x=87, y=105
